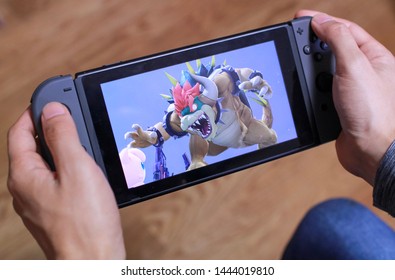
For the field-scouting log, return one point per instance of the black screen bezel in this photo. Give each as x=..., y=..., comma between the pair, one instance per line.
x=91, y=81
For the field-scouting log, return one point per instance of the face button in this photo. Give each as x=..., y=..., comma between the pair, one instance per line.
x=307, y=49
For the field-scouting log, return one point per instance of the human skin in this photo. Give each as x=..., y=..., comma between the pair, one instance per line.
x=71, y=212
x=363, y=93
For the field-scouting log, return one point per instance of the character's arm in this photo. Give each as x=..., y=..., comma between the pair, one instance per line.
x=157, y=134
x=253, y=80
x=145, y=138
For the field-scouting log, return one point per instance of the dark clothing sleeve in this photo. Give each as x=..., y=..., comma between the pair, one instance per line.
x=384, y=184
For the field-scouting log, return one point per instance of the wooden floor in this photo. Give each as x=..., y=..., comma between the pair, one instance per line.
x=248, y=215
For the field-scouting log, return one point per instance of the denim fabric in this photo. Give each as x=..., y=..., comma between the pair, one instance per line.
x=341, y=229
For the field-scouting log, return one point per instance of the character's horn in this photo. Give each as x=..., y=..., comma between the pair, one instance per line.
x=210, y=88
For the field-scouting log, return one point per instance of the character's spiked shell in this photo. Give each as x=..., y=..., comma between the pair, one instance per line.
x=187, y=76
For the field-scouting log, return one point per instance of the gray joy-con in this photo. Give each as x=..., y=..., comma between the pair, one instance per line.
x=58, y=89
x=318, y=66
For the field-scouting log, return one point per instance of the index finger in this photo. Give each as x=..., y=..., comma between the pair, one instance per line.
x=22, y=145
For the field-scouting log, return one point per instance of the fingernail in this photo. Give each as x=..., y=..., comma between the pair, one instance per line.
x=52, y=110
x=322, y=18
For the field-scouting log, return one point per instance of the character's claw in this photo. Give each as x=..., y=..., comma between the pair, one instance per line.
x=246, y=85
x=256, y=82
x=265, y=92
x=136, y=127
x=127, y=135
x=258, y=85
x=140, y=137
x=131, y=134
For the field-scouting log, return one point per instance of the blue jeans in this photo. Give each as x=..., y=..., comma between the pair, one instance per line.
x=341, y=229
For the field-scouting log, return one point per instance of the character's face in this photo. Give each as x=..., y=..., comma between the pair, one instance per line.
x=200, y=121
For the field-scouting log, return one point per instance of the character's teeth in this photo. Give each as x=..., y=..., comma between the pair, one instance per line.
x=201, y=126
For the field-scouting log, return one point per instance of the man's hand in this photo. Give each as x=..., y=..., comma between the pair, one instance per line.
x=363, y=93
x=72, y=212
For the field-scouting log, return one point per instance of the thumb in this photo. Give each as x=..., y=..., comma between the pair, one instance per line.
x=61, y=135
x=341, y=40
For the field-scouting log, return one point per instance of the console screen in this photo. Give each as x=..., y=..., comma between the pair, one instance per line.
x=194, y=114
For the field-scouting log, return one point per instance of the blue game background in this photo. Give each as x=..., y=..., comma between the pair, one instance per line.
x=137, y=99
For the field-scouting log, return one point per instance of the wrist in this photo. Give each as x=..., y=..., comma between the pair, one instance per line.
x=100, y=248
x=361, y=157
x=109, y=253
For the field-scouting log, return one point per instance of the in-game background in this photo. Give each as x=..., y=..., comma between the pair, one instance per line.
x=137, y=99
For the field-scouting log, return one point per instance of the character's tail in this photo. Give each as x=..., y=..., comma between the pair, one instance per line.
x=267, y=116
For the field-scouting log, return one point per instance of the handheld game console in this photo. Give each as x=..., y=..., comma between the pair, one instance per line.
x=159, y=124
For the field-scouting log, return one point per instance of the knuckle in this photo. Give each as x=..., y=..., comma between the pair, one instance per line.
x=11, y=185
x=11, y=133
x=13, y=181
x=337, y=30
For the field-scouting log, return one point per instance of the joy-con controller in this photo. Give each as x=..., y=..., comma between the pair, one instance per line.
x=60, y=89
x=318, y=65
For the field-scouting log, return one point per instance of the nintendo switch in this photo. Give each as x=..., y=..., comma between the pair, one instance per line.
x=171, y=120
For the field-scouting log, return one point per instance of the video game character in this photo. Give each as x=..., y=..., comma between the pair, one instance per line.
x=132, y=161
x=211, y=106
